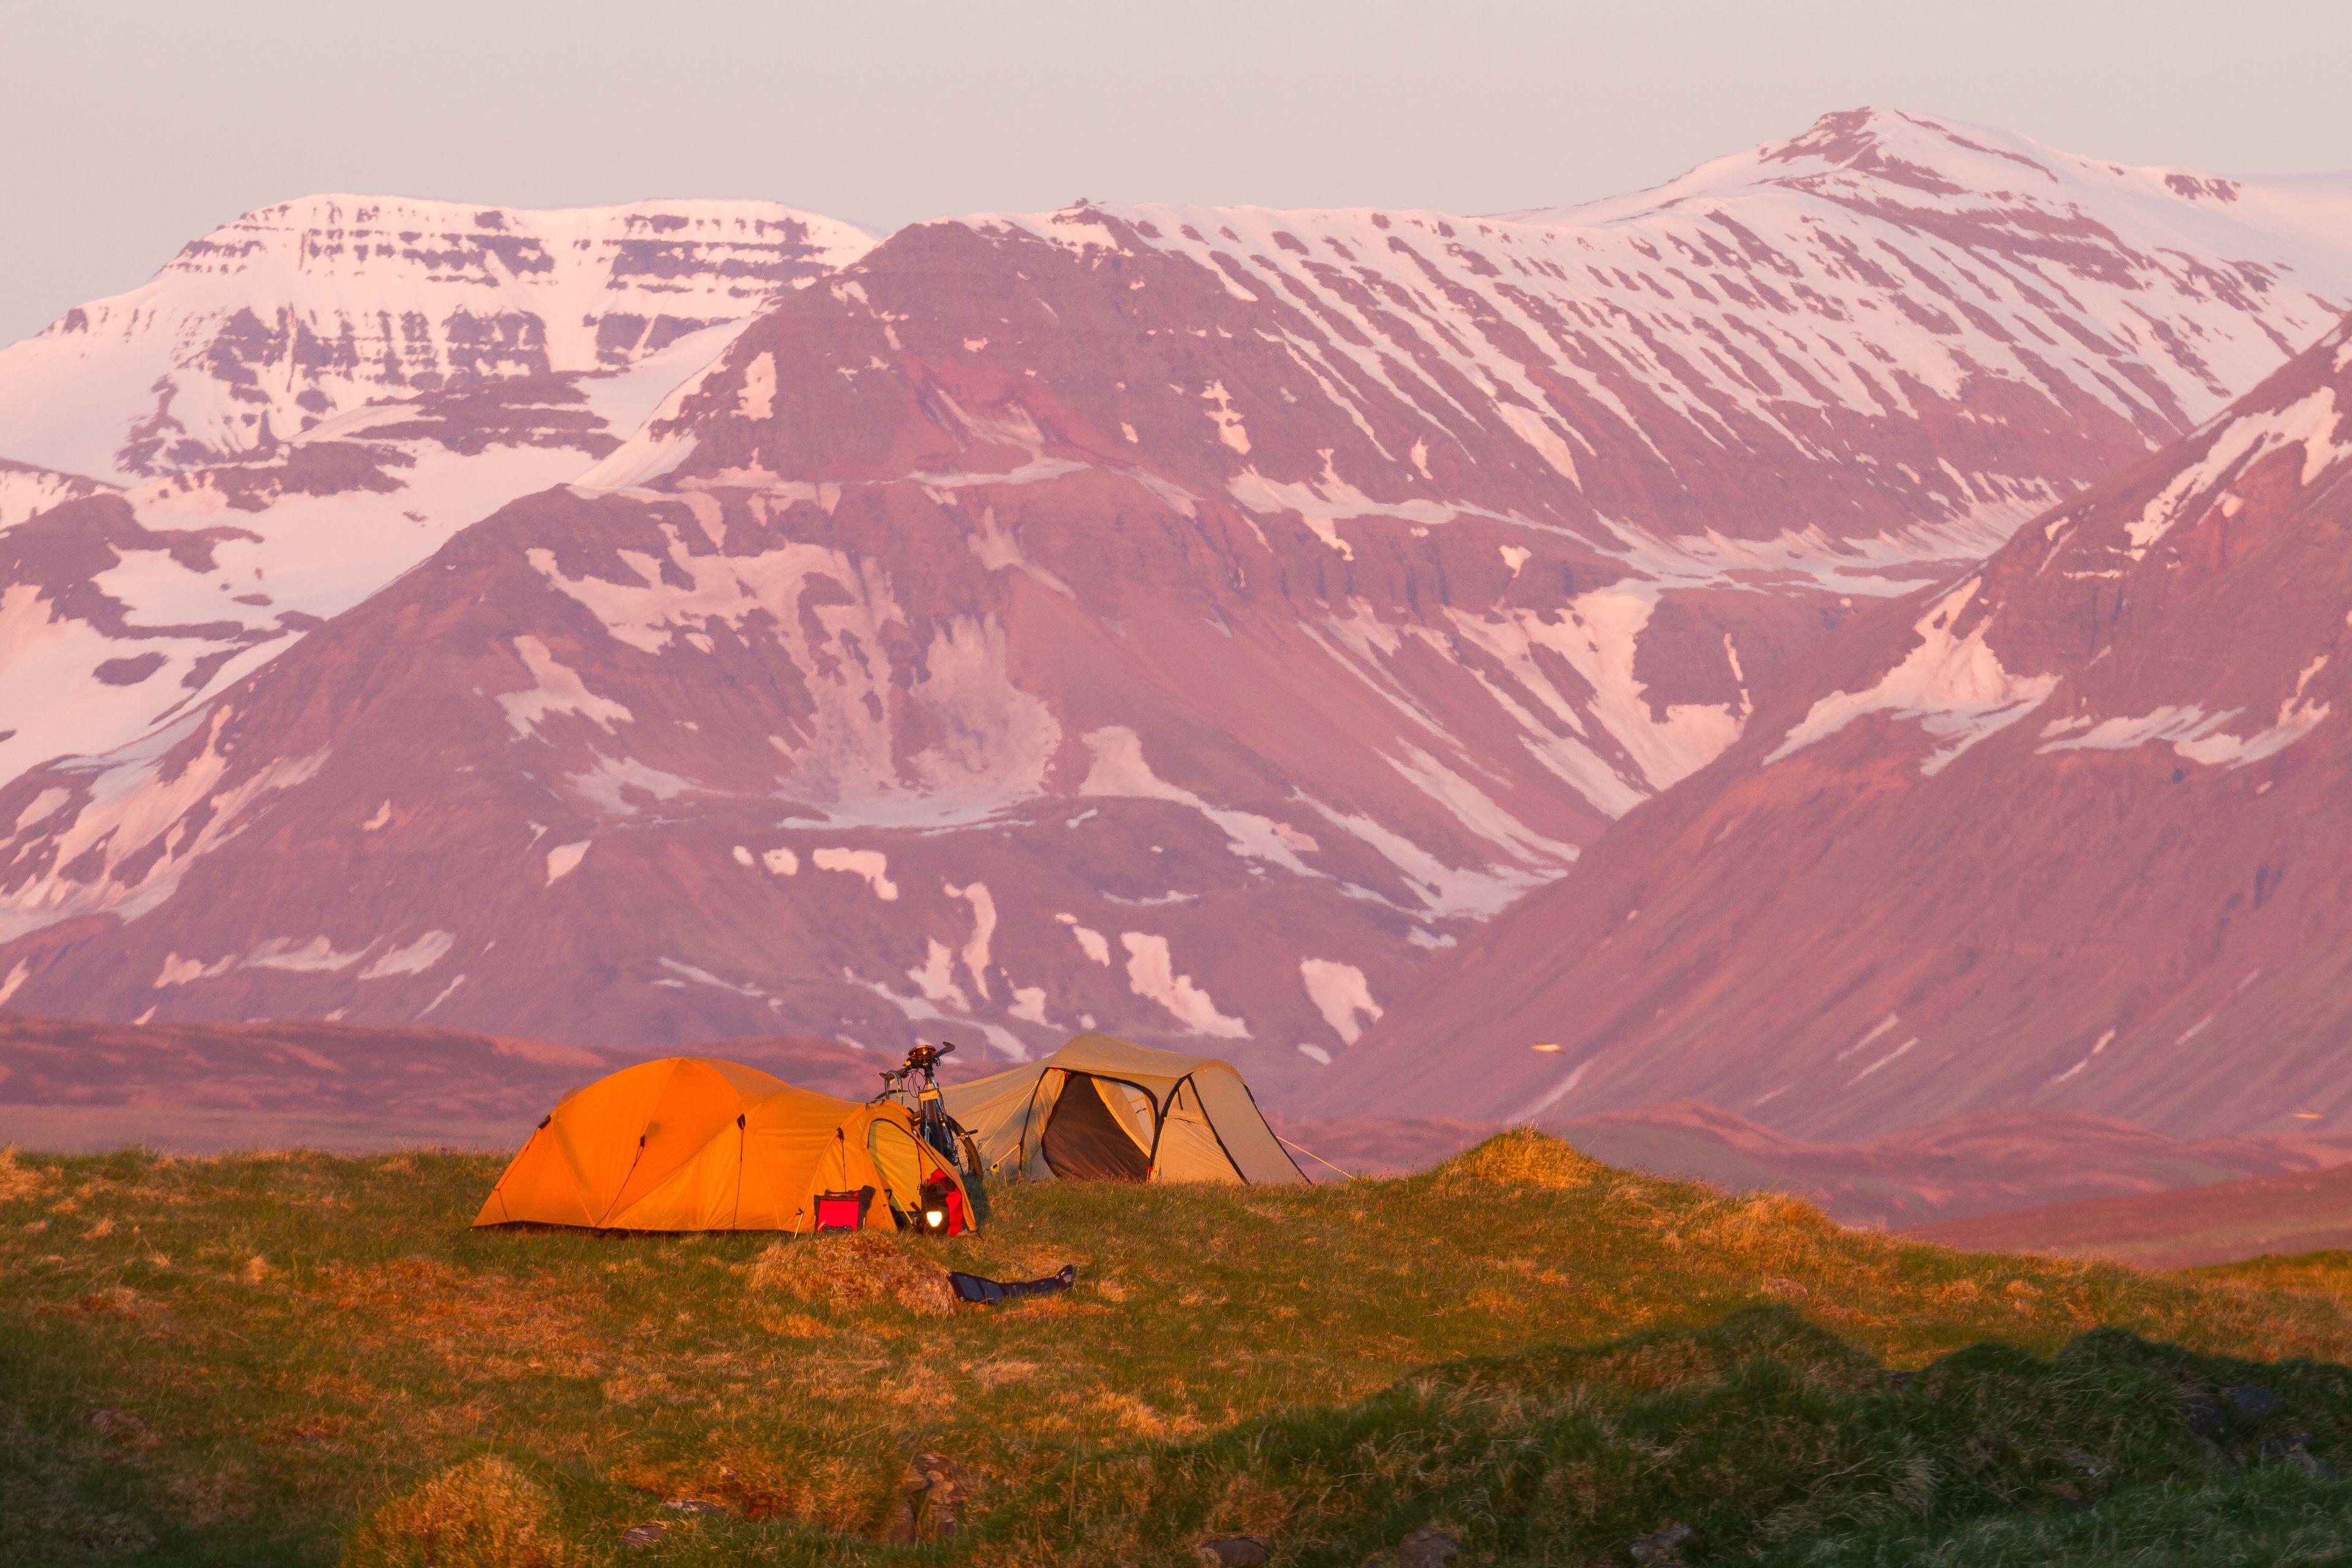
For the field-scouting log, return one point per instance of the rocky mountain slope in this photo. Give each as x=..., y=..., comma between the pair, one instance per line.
x=274, y=323
x=1185, y=620
x=306, y=403
x=2064, y=833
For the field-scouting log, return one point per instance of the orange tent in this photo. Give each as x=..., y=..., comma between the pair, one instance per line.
x=693, y=1144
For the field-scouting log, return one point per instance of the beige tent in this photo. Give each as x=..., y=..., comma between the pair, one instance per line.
x=1103, y=1110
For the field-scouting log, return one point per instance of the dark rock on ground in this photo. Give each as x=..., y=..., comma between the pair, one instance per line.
x=1658, y=1550
x=1428, y=1547
x=2205, y=1416
x=1235, y=1551
x=931, y=1498
x=2251, y=1404
x=650, y=1533
x=2304, y=1460
x=117, y=1425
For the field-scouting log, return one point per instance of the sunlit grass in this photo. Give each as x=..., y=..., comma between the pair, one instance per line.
x=286, y=1354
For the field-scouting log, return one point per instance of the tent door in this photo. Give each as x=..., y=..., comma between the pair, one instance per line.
x=1086, y=1141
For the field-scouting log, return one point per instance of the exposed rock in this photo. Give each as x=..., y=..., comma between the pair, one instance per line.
x=2251, y=1404
x=117, y=1425
x=930, y=1499
x=1431, y=1546
x=1660, y=1548
x=2311, y=1463
x=2205, y=1416
x=653, y=1533
x=1235, y=1551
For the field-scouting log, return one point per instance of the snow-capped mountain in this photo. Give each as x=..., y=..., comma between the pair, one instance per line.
x=274, y=323
x=1184, y=618
x=346, y=382
x=2065, y=833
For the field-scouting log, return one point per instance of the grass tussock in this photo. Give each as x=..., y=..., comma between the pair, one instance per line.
x=1545, y=1357
x=481, y=1513
x=17, y=1181
x=1521, y=1157
x=861, y=1269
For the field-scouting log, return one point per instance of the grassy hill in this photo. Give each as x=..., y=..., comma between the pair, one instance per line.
x=288, y=1358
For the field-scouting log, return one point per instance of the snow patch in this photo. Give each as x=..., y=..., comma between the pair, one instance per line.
x=935, y=976
x=564, y=858
x=1093, y=943
x=125, y=850
x=922, y=1009
x=606, y=786
x=556, y=688
x=871, y=864
x=1118, y=769
x=704, y=977
x=1151, y=974
x=1881, y=1027
x=1230, y=429
x=1340, y=993
x=1556, y=1093
x=178, y=971
x=1882, y=1061
x=2097, y=1046
x=446, y=992
x=316, y=956
x=414, y=959
x=1028, y=1005
x=983, y=929
x=2311, y=420
x=758, y=398
x=1953, y=686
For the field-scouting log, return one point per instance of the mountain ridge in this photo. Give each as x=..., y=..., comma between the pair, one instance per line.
x=1190, y=618
x=2138, y=927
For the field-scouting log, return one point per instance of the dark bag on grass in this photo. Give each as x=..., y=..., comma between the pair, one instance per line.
x=989, y=1292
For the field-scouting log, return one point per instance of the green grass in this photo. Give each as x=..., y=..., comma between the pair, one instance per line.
x=304, y=1358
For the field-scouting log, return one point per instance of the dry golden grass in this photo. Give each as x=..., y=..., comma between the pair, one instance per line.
x=480, y=1513
x=1523, y=1157
x=860, y=1269
x=18, y=1180
x=849, y=1493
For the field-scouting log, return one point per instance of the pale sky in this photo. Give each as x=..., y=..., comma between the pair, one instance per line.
x=129, y=127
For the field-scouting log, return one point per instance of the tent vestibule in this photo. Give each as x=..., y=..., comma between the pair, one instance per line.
x=1102, y=1109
